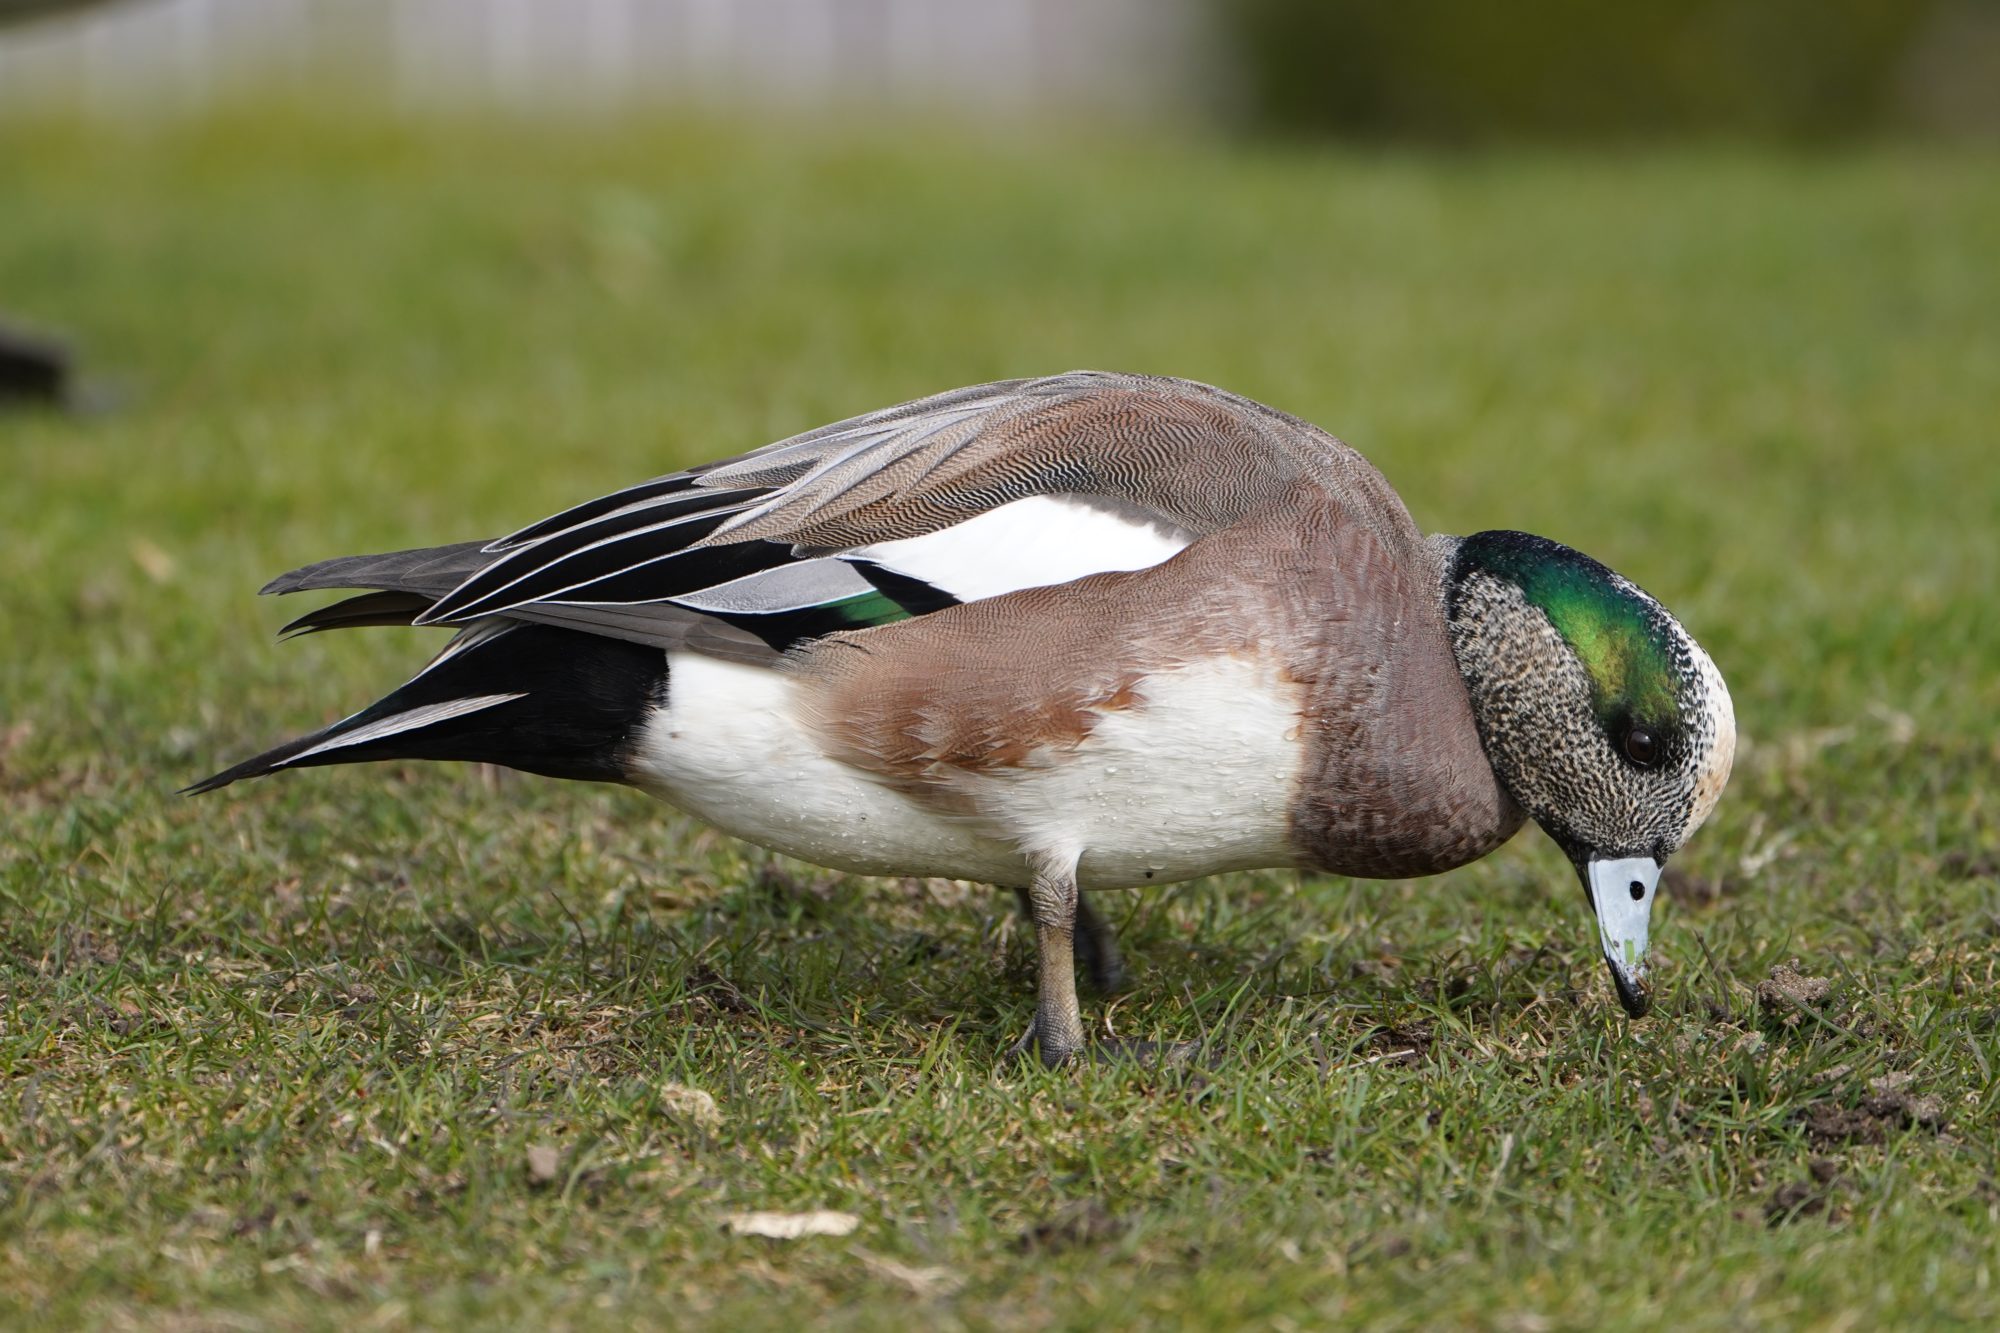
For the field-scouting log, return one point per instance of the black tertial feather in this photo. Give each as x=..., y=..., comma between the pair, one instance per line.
x=912, y=594
x=558, y=571
x=431, y=572
x=576, y=529
x=681, y=572
x=656, y=489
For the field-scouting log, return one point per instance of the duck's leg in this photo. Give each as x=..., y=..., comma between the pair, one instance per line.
x=1095, y=942
x=1052, y=902
x=1054, y=905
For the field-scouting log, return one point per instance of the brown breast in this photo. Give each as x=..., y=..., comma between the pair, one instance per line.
x=1393, y=779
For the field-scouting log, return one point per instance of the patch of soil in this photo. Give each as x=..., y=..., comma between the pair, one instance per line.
x=1787, y=992
x=1382, y=970
x=784, y=886
x=1081, y=1225
x=1402, y=1044
x=1805, y=1198
x=1890, y=1106
x=1891, y=1098
x=1389, y=1247
x=1827, y=1123
x=718, y=990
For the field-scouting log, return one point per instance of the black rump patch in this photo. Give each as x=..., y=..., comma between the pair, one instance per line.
x=584, y=699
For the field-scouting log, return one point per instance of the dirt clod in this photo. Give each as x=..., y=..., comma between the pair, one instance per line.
x=1788, y=992
x=1400, y=1044
x=1391, y=1247
x=1891, y=1105
x=1804, y=1198
x=1893, y=1102
x=1827, y=1123
x=1793, y=1199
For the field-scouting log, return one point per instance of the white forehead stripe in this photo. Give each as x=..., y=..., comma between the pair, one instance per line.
x=1720, y=724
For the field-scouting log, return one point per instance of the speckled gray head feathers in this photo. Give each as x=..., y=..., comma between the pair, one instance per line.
x=1602, y=716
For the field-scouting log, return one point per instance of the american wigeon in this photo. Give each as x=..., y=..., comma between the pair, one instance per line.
x=1092, y=631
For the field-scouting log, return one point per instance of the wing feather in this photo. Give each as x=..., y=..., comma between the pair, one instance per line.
x=585, y=556
x=969, y=493
x=644, y=494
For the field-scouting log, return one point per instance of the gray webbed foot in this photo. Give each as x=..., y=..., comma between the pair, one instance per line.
x=1160, y=1055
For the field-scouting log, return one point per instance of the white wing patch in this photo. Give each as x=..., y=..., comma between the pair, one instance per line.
x=1032, y=543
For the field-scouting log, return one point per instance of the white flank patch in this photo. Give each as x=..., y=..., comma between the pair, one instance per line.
x=731, y=748
x=397, y=723
x=1032, y=543
x=1198, y=777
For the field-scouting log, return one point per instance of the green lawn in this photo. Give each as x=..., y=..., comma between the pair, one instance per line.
x=284, y=1054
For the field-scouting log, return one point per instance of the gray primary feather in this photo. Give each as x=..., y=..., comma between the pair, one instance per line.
x=412, y=581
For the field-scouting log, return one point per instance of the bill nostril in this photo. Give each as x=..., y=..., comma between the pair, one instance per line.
x=1638, y=891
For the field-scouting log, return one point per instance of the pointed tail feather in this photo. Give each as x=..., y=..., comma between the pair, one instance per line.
x=430, y=570
x=542, y=699
x=257, y=766
x=370, y=608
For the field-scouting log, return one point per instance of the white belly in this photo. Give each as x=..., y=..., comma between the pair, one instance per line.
x=1198, y=778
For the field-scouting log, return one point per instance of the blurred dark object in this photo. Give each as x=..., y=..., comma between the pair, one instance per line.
x=33, y=371
x=1473, y=71
x=13, y=10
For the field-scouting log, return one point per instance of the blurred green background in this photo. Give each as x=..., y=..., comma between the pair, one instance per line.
x=279, y=1057
x=1468, y=71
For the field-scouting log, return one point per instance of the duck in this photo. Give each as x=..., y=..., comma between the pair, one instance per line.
x=1061, y=635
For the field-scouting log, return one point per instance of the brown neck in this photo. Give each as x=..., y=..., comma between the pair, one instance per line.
x=1396, y=782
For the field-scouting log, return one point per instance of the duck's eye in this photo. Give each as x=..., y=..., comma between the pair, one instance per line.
x=1640, y=747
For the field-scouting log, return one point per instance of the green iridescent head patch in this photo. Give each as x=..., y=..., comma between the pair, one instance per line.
x=1618, y=637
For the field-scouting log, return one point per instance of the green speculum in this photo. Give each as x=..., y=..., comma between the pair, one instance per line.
x=869, y=608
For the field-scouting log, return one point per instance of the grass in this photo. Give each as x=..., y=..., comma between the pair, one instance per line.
x=284, y=1055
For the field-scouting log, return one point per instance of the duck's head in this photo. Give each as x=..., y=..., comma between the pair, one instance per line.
x=1602, y=717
